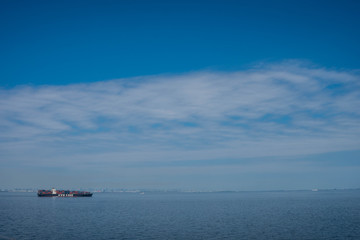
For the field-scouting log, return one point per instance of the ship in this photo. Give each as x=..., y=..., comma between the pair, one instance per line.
x=63, y=193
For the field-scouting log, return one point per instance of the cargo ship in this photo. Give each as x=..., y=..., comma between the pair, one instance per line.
x=63, y=193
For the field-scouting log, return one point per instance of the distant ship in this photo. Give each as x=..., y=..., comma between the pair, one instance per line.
x=62, y=193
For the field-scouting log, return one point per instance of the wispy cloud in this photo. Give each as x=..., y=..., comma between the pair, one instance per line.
x=270, y=110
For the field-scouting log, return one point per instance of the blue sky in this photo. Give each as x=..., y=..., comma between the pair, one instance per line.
x=192, y=95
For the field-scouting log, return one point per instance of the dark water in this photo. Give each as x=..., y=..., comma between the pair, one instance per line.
x=246, y=215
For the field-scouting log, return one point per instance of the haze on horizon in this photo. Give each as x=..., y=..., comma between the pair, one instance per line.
x=216, y=95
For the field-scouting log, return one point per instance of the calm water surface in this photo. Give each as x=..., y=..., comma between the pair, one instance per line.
x=245, y=215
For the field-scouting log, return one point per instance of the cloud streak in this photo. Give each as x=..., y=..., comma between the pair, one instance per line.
x=271, y=110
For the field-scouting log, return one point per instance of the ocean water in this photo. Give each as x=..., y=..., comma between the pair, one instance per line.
x=244, y=215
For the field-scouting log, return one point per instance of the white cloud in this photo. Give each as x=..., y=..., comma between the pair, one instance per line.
x=274, y=110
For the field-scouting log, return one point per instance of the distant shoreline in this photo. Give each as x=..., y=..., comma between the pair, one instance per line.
x=17, y=190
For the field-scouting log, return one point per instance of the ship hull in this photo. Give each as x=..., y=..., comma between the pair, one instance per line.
x=65, y=195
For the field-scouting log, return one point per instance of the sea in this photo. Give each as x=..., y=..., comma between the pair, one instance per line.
x=328, y=214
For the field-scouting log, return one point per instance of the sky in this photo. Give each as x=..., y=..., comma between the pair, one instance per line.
x=185, y=95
